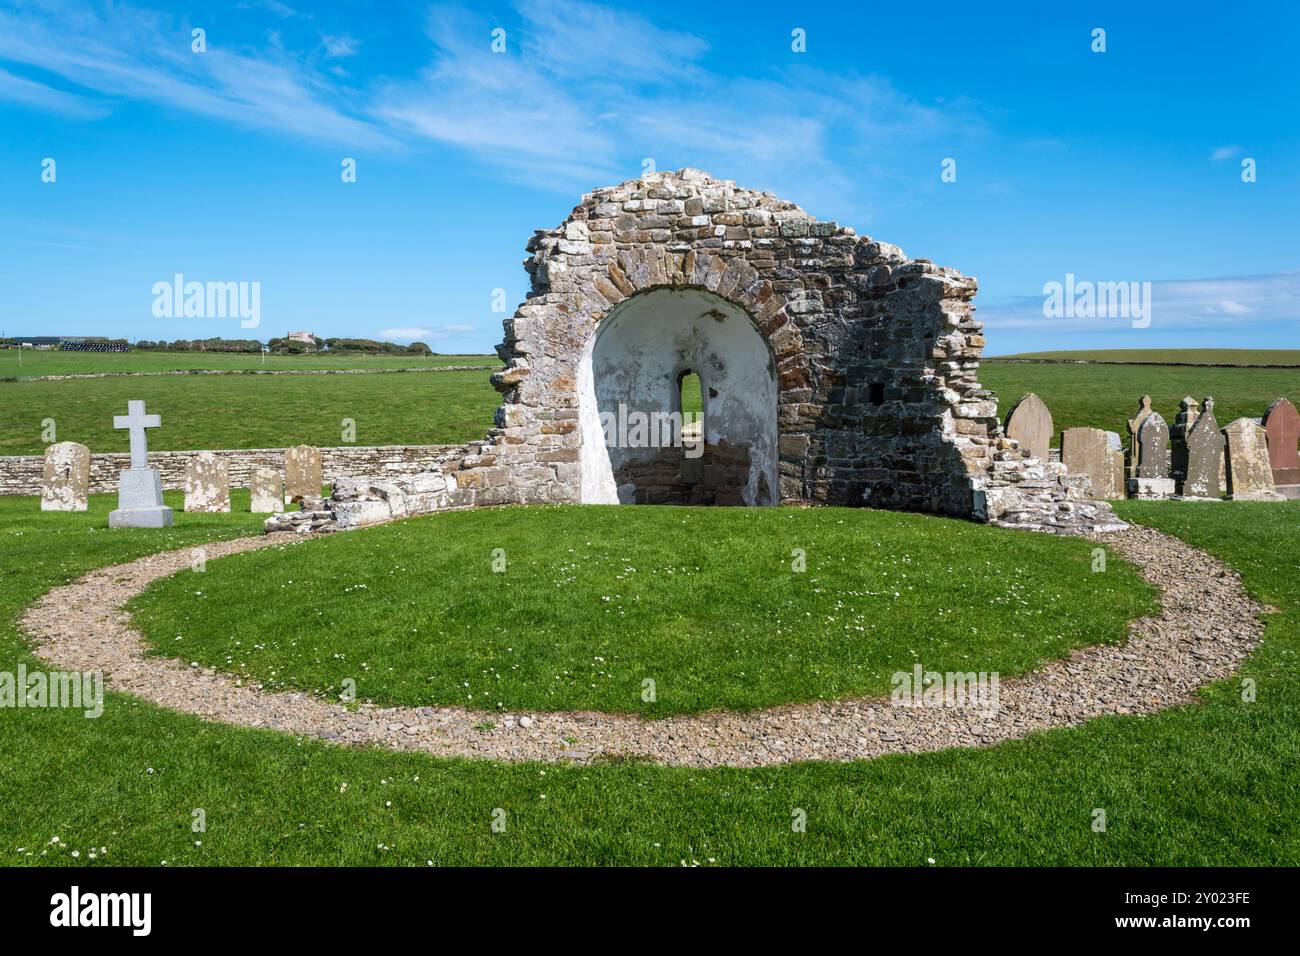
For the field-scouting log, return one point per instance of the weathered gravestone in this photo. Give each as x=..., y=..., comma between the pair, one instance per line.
x=265, y=491
x=1283, y=425
x=1249, y=476
x=207, y=483
x=1188, y=411
x=1087, y=451
x=1134, y=426
x=302, y=473
x=139, y=491
x=1152, y=479
x=1204, y=449
x=1030, y=423
x=1115, y=476
x=65, y=478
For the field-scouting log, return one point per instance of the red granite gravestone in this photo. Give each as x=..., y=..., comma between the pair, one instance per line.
x=1283, y=425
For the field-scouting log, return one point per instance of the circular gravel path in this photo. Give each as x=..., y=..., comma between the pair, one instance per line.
x=1207, y=626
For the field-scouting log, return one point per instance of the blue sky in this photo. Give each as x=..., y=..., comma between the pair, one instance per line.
x=225, y=165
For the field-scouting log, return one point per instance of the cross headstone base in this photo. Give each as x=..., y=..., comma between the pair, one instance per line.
x=1151, y=489
x=140, y=501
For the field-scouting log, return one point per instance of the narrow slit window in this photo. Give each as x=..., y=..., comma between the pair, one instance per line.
x=876, y=394
x=690, y=403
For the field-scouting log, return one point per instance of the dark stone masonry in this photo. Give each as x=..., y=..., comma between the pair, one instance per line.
x=844, y=372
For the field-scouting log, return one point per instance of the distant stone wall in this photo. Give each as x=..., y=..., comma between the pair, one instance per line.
x=21, y=474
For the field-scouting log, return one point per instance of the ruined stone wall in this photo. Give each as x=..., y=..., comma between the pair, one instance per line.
x=874, y=358
x=672, y=476
x=876, y=354
x=21, y=474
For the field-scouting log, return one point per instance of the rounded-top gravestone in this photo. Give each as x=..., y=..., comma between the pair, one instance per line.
x=1030, y=423
x=1282, y=423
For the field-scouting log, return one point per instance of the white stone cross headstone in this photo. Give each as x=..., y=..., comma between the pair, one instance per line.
x=136, y=421
x=139, y=491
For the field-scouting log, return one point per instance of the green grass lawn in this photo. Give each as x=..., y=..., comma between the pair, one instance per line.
x=450, y=407
x=33, y=363
x=253, y=411
x=594, y=600
x=1106, y=396
x=1213, y=783
x=1245, y=357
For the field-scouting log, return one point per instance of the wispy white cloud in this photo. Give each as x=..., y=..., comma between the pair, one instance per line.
x=340, y=45
x=542, y=110
x=406, y=334
x=1225, y=152
x=124, y=51
x=586, y=39
x=582, y=96
x=1175, y=304
x=16, y=89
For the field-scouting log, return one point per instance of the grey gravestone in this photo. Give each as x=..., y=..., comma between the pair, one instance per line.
x=1115, y=477
x=1188, y=411
x=207, y=483
x=1204, y=457
x=1134, y=426
x=302, y=473
x=1152, y=479
x=65, y=477
x=1283, y=424
x=1250, y=478
x=139, y=492
x=265, y=491
x=1086, y=451
x=1030, y=423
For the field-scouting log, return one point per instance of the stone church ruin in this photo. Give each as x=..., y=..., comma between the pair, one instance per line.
x=833, y=370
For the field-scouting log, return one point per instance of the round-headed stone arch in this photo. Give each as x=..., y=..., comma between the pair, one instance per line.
x=873, y=355
x=633, y=447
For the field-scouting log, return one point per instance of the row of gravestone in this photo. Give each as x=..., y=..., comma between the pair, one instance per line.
x=65, y=479
x=1251, y=460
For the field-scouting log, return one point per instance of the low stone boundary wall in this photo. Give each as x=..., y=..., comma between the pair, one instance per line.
x=21, y=474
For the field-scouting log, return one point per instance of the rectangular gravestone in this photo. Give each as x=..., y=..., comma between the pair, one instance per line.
x=1086, y=451
x=265, y=491
x=1282, y=423
x=1204, y=449
x=207, y=483
x=302, y=473
x=1115, y=480
x=65, y=477
x=1250, y=477
x=139, y=492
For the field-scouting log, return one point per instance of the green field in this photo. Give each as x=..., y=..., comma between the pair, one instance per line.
x=704, y=600
x=253, y=411
x=33, y=363
x=1217, y=782
x=1106, y=396
x=1232, y=357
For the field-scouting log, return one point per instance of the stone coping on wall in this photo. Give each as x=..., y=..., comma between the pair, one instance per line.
x=21, y=474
